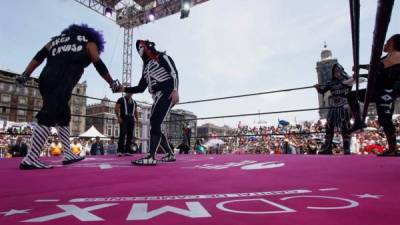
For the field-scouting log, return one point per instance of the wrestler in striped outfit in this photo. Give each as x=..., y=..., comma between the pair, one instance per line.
x=161, y=78
x=67, y=56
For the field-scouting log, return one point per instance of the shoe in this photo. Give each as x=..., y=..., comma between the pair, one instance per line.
x=70, y=161
x=169, y=157
x=119, y=154
x=325, y=152
x=145, y=161
x=389, y=153
x=40, y=165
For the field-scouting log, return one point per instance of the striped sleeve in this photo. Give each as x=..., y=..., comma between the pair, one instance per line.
x=172, y=69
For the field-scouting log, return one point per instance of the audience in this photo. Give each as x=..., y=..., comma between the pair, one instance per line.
x=305, y=138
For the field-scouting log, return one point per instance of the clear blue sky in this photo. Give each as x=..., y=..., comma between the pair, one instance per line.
x=225, y=47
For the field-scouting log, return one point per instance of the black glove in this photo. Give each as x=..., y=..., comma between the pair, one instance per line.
x=115, y=86
x=21, y=79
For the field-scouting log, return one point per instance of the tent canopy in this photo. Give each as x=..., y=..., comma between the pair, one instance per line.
x=92, y=132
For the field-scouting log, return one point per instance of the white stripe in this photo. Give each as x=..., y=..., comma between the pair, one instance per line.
x=173, y=72
x=328, y=189
x=158, y=97
x=105, y=166
x=47, y=200
x=188, y=197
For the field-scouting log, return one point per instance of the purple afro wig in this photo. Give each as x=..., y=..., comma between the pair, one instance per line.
x=88, y=32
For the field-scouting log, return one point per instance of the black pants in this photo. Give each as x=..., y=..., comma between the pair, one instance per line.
x=330, y=131
x=126, y=129
x=55, y=85
x=384, y=100
x=161, y=106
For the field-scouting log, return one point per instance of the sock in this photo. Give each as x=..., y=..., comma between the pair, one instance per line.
x=63, y=134
x=39, y=137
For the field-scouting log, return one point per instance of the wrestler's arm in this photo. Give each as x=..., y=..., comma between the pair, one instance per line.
x=37, y=60
x=98, y=63
x=137, y=89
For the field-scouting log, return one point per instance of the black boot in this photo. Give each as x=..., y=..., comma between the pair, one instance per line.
x=150, y=158
x=346, y=146
x=355, y=112
x=170, y=155
x=34, y=166
x=327, y=148
x=70, y=161
x=392, y=150
x=358, y=123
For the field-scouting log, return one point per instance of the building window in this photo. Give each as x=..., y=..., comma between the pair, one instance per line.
x=38, y=103
x=77, y=111
x=5, y=98
x=4, y=110
x=7, y=87
x=21, y=112
x=22, y=100
x=21, y=119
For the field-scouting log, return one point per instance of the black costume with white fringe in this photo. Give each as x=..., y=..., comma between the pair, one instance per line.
x=339, y=113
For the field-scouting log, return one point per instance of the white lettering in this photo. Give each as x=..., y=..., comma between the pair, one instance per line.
x=225, y=166
x=190, y=197
x=351, y=205
x=139, y=211
x=79, y=48
x=81, y=38
x=72, y=210
x=264, y=165
x=283, y=208
x=66, y=48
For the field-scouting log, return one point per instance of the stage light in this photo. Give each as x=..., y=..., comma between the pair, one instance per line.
x=108, y=12
x=185, y=8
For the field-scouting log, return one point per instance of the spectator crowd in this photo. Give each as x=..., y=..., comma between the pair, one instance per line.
x=304, y=138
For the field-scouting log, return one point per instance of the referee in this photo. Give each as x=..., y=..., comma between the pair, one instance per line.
x=125, y=110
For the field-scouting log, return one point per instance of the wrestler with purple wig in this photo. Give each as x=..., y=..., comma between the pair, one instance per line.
x=67, y=55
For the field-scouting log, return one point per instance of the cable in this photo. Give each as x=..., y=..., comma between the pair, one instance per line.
x=245, y=95
x=252, y=135
x=78, y=95
x=73, y=115
x=199, y=137
x=194, y=119
x=194, y=101
x=249, y=114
